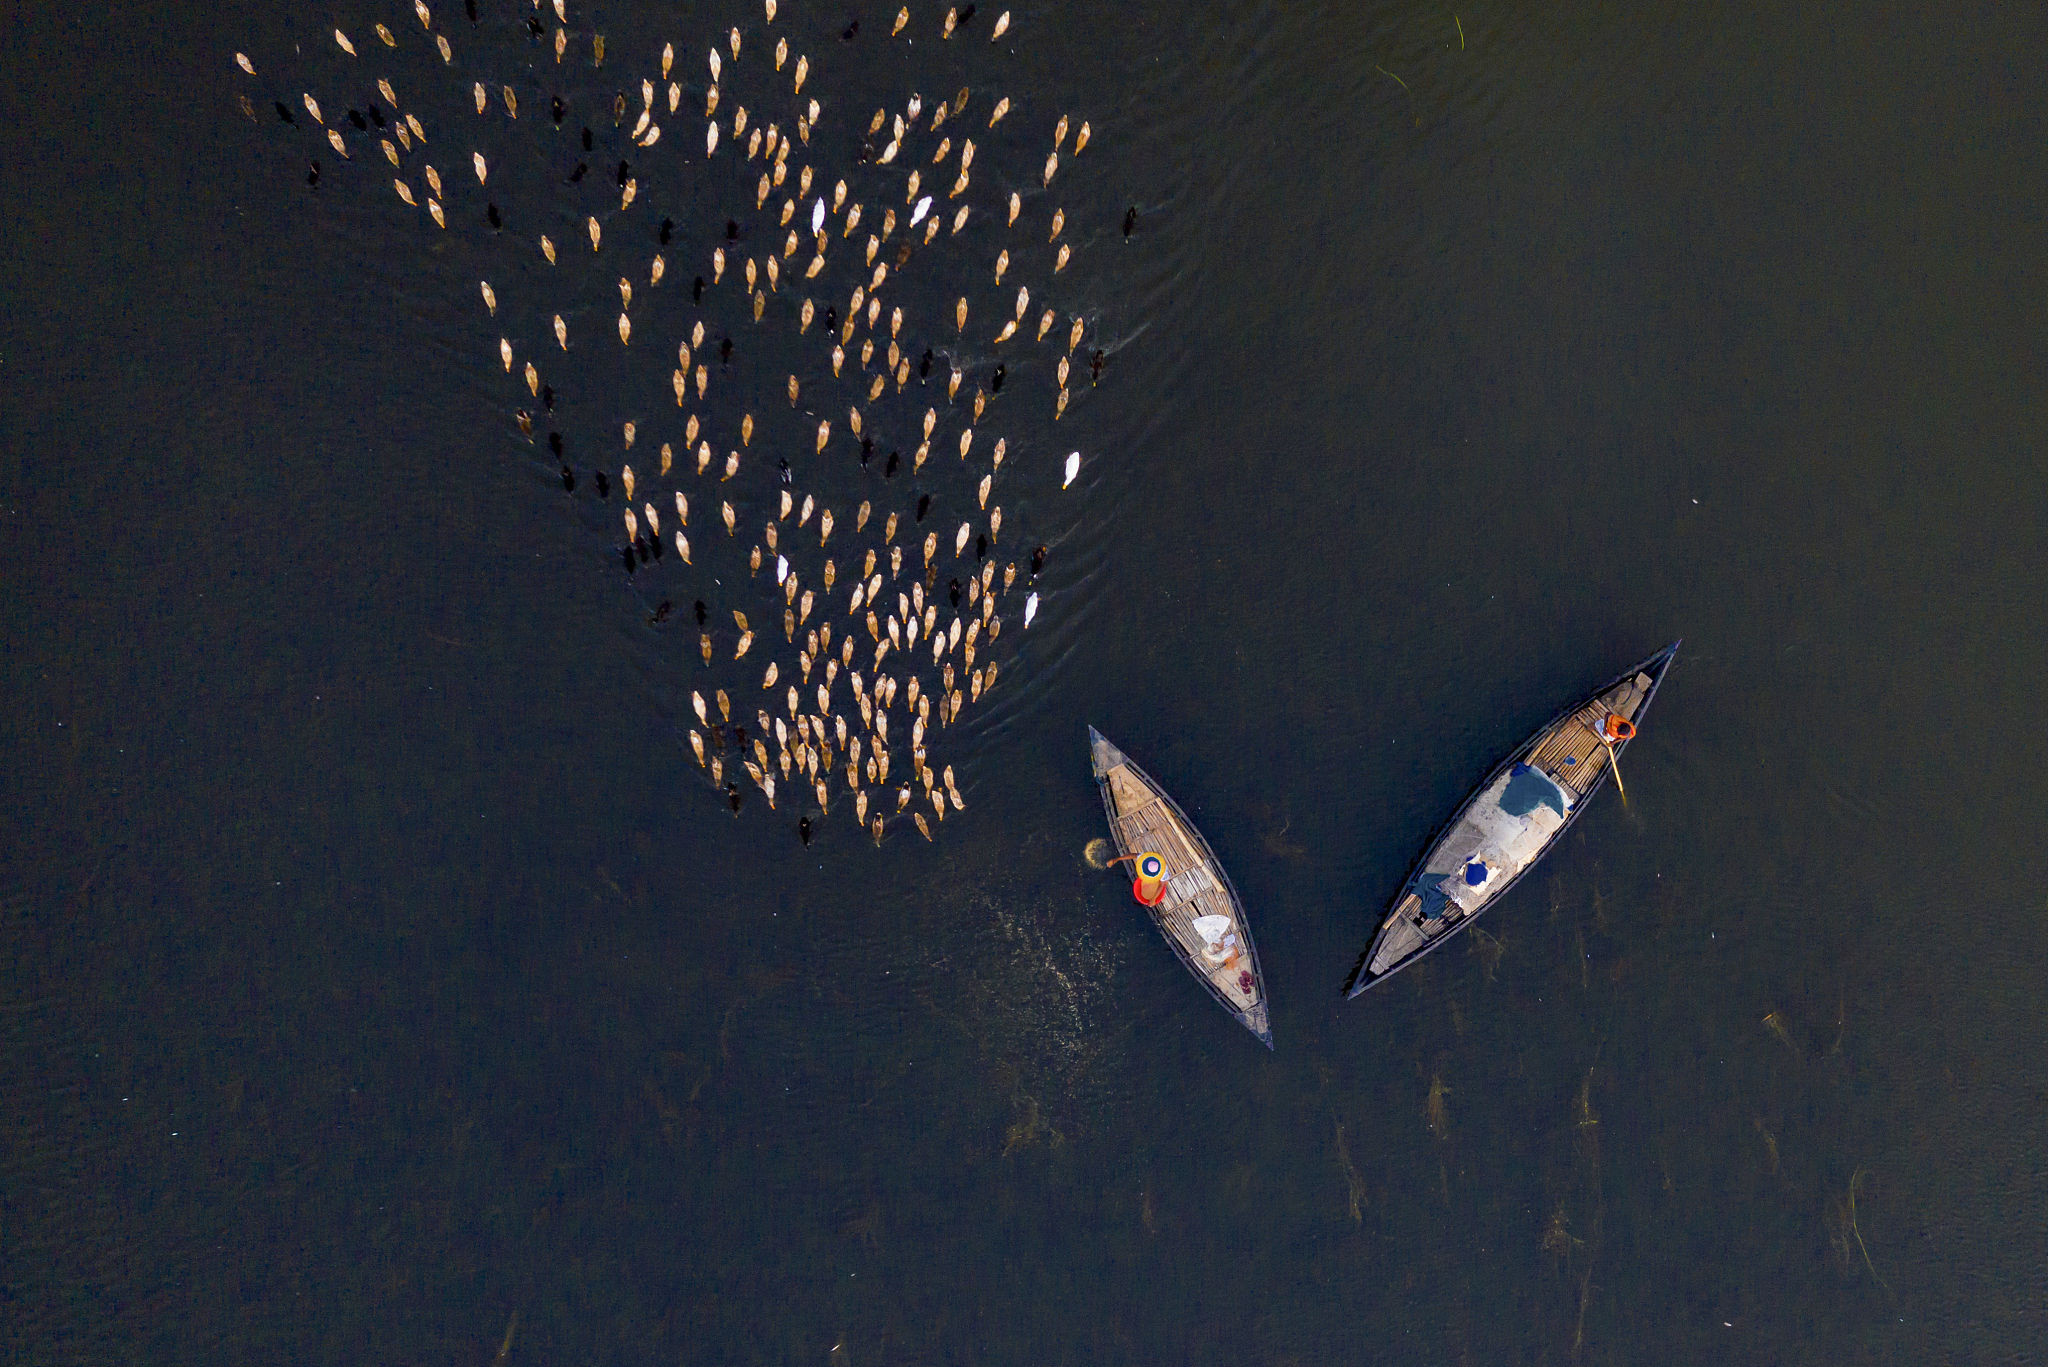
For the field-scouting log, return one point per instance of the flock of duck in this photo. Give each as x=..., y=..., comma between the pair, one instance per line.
x=769, y=501
x=767, y=494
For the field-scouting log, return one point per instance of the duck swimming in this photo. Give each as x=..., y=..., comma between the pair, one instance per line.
x=870, y=361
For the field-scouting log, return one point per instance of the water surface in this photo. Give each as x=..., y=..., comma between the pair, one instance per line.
x=378, y=968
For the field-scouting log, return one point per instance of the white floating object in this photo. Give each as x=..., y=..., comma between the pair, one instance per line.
x=924, y=206
x=818, y=216
x=781, y=568
x=1073, y=469
x=477, y=160
x=710, y=139
x=1030, y=609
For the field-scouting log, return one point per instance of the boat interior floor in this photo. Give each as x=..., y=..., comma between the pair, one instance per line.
x=1143, y=822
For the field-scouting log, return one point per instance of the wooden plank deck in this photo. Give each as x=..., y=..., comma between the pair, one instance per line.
x=1573, y=753
x=1130, y=794
x=1152, y=827
x=1408, y=906
x=1193, y=889
x=1403, y=938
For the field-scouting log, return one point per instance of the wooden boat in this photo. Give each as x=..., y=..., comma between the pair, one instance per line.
x=1510, y=821
x=1219, y=949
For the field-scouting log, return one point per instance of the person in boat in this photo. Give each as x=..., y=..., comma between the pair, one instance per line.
x=1436, y=903
x=1528, y=807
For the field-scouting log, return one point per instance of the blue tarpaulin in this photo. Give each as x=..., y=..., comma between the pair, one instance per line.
x=1529, y=789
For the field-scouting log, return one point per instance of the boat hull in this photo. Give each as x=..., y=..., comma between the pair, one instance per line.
x=1549, y=756
x=1142, y=817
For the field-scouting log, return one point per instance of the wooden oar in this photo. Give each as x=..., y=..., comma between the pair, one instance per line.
x=1615, y=765
x=1616, y=728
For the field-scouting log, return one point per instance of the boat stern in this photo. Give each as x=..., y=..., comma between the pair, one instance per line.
x=1255, y=1021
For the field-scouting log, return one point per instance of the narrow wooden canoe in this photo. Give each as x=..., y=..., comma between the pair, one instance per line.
x=1143, y=818
x=1508, y=823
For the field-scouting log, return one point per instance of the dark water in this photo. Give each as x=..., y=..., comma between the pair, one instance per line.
x=377, y=967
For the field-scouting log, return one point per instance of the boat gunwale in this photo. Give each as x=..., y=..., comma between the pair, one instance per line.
x=1180, y=951
x=1362, y=980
